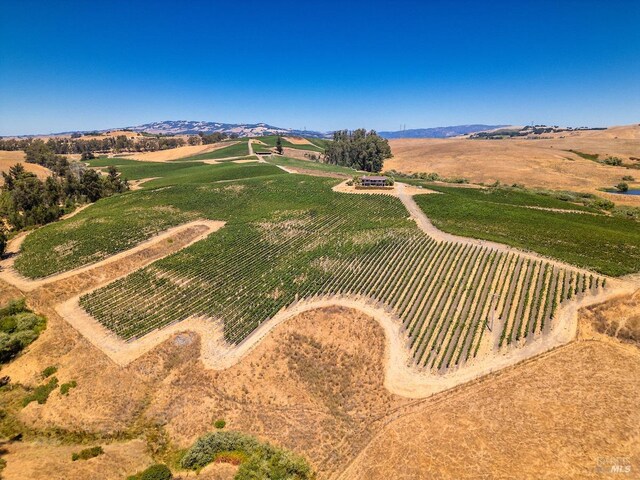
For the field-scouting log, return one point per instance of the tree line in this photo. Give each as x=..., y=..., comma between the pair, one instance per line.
x=27, y=201
x=358, y=149
x=118, y=144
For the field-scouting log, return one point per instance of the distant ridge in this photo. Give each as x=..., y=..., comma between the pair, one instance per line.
x=439, y=132
x=182, y=127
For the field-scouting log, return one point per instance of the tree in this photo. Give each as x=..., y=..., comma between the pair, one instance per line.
x=3, y=241
x=359, y=149
x=622, y=187
x=279, y=146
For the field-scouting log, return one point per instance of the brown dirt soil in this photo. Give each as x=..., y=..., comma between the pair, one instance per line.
x=553, y=417
x=543, y=163
x=10, y=158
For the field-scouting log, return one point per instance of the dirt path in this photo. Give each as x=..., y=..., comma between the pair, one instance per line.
x=401, y=377
x=11, y=276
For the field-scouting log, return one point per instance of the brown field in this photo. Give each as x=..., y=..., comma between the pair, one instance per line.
x=10, y=158
x=298, y=140
x=543, y=163
x=177, y=153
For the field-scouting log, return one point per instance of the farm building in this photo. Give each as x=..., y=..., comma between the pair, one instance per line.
x=374, y=181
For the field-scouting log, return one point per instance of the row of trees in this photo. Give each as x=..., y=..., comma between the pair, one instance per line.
x=358, y=149
x=26, y=201
x=120, y=143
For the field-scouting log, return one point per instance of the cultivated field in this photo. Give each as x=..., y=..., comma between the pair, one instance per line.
x=225, y=266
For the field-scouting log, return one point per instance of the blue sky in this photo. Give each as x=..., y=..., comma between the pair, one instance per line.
x=321, y=65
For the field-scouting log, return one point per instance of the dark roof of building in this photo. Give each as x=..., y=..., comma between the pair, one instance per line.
x=373, y=178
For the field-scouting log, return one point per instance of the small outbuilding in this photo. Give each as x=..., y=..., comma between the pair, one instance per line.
x=374, y=181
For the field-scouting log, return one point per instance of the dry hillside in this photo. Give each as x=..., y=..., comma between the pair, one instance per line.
x=10, y=158
x=544, y=162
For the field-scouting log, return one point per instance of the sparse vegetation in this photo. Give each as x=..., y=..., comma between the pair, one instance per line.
x=41, y=393
x=219, y=424
x=87, y=453
x=65, y=387
x=154, y=472
x=47, y=372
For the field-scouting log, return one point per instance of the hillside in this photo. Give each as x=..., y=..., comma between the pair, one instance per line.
x=556, y=161
x=439, y=132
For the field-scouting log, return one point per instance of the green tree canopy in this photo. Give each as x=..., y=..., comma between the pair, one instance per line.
x=359, y=149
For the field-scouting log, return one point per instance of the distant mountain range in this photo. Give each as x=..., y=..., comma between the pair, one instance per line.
x=186, y=127
x=190, y=127
x=439, y=132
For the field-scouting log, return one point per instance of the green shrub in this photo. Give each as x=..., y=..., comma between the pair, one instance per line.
x=208, y=446
x=256, y=460
x=219, y=424
x=622, y=187
x=628, y=178
x=87, y=453
x=18, y=328
x=158, y=471
x=41, y=393
x=65, y=387
x=47, y=372
x=271, y=462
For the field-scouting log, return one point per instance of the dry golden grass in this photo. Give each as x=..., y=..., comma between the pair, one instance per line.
x=10, y=158
x=541, y=163
x=177, y=153
x=554, y=417
x=297, y=140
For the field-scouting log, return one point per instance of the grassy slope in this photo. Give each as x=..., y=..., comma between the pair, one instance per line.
x=309, y=165
x=609, y=245
x=115, y=224
x=272, y=139
x=237, y=150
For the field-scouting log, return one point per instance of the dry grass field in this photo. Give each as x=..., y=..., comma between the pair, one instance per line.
x=177, y=153
x=10, y=158
x=544, y=163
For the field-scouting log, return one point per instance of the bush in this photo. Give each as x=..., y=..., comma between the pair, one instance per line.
x=18, y=328
x=41, y=393
x=219, y=424
x=622, y=187
x=256, y=460
x=65, y=387
x=270, y=462
x=208, y=446
x=87, y=453
x=158, y=471
x=615, y=161
x=47, y=372
x=628, y=178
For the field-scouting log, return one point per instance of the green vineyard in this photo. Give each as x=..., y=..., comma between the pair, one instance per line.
x=446, y=295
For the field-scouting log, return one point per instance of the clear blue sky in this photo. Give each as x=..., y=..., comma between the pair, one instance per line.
x=322, y=65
